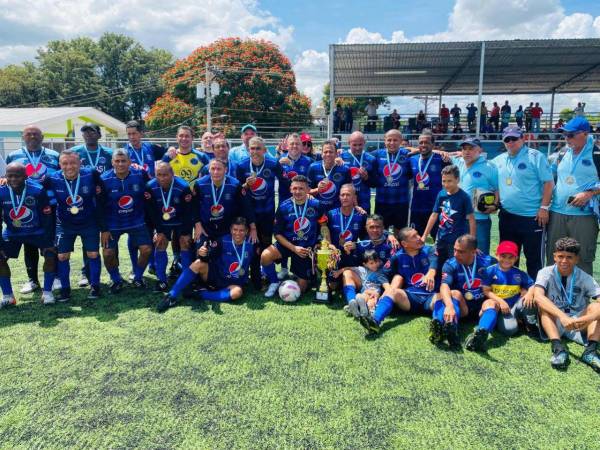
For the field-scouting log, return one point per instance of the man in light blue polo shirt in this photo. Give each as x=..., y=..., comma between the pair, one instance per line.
x=478, y=176
x=525, y=183
x=236, y=154
x=570, y=215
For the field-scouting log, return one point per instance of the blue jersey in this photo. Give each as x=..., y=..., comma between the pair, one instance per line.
x=43, y=162
x=178, y=209
x=383, y=248
x=337, y=176
x=298, y=167
x=452, y=210
x=412, y=269
x=262, y=192
x=223, y=253
x=146, y=156
x=455, y=276
x=354, y=163
x=99, y=159
x=427, y=181
x=215, y=214
x=89, y=213
x=506, y=285
x=123, y=199
x=345, y=228
x=391, y=186
x=34, y=216
x=299, y=225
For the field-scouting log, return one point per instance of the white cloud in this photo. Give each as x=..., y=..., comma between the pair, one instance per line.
x=362, y=36
x=312, y=73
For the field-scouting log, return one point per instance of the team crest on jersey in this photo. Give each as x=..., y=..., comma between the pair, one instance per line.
x=85, y=190
x=101, y=160
x=337, y=177
x=29, y=200
x=517, y=278
x=135, y=187
x=24, y=215
x=329, y=191
x=310, y=211
x=266, y=173
x=522, y=166
x=45, y=158
x=477, y=174
x=228, y=196
x=586, y=162
x=194, y=161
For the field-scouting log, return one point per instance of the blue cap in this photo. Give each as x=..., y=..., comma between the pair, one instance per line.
x=576, y=124
x=248, y=126
x=471, y=141
x=512, y=131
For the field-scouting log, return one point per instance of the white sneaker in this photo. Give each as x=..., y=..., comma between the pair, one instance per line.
x=131, y=277
x=83, y=281
x=29, y=287
x=56, y=286
x=48, y=298
x=8, y=301
x=283, y=273
x=271, y=290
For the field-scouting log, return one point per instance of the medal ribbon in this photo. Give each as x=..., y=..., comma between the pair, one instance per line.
x=21, y=201
x=258, y=171
x=389, y=164
x=139, y=158
x=72, y=193
x=568, y=295
x=470, y=273
x=166, y=202
x=423, y=171
x=345, y=227
x=34, y=162
x=359, y=162
x=303, y=211
x=92, y=162
x=216, y=199
x=239, y=258
x=325, y=171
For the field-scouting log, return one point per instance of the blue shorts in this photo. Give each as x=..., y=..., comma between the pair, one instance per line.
x=138, y=236
x=216, y=280
x=12, y=247
x=174, y=233
x=420, y=303
x=301, y=267
x=65, y=239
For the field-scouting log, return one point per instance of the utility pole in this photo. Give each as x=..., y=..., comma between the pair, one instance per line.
x=207, y=90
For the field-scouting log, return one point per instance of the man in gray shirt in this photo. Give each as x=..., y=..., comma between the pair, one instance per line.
x=563, y=295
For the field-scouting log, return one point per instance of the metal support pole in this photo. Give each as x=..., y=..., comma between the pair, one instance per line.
x=551, y=111
x=208, y=100
x=480, y=90
x=331, y=92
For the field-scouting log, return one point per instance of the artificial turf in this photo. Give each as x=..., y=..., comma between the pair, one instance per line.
x=114, y=373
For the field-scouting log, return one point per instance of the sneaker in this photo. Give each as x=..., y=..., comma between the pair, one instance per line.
x=363, y=309
x=29, y=287
x=271, y=290
x=451, y=332
x=560, y=359
x=139, y=284
x=591, y=359
x=56, y=285
x=160, y=287
x=436, y=332
x=283, y=274
x=353, y=308
x=115, y=287
x=165, y=303
x=346, y=309
x=83, y=281
x=475, y=342
x=65, y=295
x=8, y=301
x=94, y=293
x=131, y=277
x=370, y=324
x=48, y=298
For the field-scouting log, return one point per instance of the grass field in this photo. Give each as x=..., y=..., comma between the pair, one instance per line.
x=262, y=374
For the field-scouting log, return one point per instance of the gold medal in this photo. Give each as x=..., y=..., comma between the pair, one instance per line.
x=469, y=295
x=166, y=216
x=570, y=180
x=241, y=271
x=74, y=210
x=16, y=223
x=421, y=185
x=300, y=234
x=389, y=179
x=508, y=181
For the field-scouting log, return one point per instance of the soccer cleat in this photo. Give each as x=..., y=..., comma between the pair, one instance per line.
x=591, y=359
x=139, y=284
x=271, y=290
x=166, y=302
x=451, y=332
x=436, y=332
x=48, y=298
x=94, y=293
x=83, y=281
x=115, y=287
x=283, y=274
x=560, y=359
x=65, y=295
x=475, y=342
x=56, y=285
x=160, y=286
x=346, y=309
x=151, y=270
x=8, y=301
x=363, y=309
x=353, y=308
x=370, y=324
x=131, y=277
x=29, y=287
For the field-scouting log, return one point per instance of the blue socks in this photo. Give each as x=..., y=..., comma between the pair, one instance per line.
x=186, y=259
x=138, y=272
x=270, y=273
x=133, y=252
x=349, y=293
x=49, y=281
x=383, y=309
x=161, y=259
x=94, y=266
x=487, y=321
x=6, y=286
x=439, y=307
x=186, y=277
x=115, y=276
x=64, y=269
x=222, y=295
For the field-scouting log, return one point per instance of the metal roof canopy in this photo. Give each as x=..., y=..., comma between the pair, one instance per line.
x=453, y=68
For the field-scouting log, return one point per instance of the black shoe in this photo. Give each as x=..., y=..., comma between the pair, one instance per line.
x=65, y=295
x=151, y=270
x=139, y=284
x=160, y=287
x=116, y=287
x=475, y=342
x=165, y=303
x=451, y=332
x=94, y=293
x=174, y=271
x=436, y=332
x=370, y=324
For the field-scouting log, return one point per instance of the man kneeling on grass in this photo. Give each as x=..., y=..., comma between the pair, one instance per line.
x=562, y=293
x=222, y=265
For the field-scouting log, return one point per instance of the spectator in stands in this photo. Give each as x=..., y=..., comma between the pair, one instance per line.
x=338, y=119
x=483, y=115
x=576, y=178
x=395, y=119
x=495, y=116
x=558, y=125
x=528, y=117
x=371, y=110
x=471, y=116
x=444, y=118
x=505, y=112
x=421, y=121
x=348, y=118
x=455, y=113
x=519, y=115
x=536, y=116
x=580, y=110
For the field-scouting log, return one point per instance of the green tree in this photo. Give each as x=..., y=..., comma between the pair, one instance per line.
x=18, y=84
x=358, y=104
x=566, y=114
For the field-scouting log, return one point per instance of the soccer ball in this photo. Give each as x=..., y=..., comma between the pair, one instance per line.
x=289, y=291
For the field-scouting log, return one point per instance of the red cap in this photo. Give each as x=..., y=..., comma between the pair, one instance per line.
x=305, y=137
x=507, y=247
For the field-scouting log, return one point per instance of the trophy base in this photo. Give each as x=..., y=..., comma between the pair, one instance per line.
x=321, y=297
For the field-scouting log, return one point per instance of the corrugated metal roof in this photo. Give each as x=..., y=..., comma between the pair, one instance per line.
x=452, y=68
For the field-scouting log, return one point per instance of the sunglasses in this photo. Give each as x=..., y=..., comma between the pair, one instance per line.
x=255, y=148
x=571, y=135
x=511, y=139
x=307, y=144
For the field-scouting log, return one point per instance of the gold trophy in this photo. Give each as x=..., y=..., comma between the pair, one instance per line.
x=324, y=256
